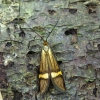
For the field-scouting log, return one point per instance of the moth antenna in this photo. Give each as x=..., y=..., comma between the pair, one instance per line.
x=52, y=29
x=35, y=32
x=28, y=24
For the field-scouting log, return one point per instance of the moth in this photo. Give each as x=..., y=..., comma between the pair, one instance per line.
x=49, y=69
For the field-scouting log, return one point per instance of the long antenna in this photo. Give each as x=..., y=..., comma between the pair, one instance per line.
x=52, y=29
x=35, y=32
x=49, y=32
x=27, y=24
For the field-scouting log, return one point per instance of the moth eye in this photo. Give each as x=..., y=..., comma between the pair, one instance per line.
x=45, y=43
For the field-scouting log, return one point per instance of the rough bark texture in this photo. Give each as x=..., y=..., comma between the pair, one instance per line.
x=75, y=42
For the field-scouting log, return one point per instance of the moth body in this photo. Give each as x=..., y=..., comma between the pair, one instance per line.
x=49, y=70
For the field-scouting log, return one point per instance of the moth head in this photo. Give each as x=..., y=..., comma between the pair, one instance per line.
x=45, y=46
x=45, y=43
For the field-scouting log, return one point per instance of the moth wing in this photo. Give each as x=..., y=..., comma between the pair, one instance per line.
x=43, y=73
x=58, y=82
x=56, y=74
x=44, y=84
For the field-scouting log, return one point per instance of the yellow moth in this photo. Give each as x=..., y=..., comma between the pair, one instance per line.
x=49, y=69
